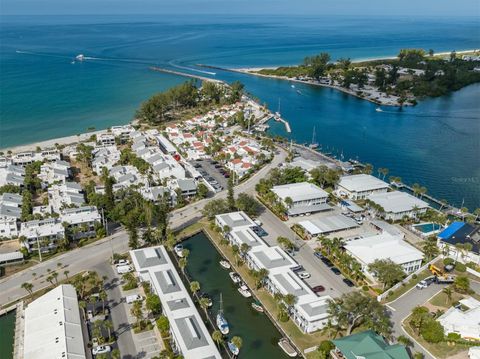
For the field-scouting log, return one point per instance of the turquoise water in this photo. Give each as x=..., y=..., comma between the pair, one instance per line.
x=259, y=335
x=428, y=227
x=44, y=96
x=7, y=330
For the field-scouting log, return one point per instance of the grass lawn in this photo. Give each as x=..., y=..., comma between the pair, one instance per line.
x=404, y=288
x=439, y=350
x=441, y=300
x=302, y=340
x=189, y=231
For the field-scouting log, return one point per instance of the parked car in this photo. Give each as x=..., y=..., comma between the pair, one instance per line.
x=425, y=283
x=348, y=282
x=124, y=269
x=318, y=255
x=89, y=314
x=318, y=288
x=133, y=298
x=335, y=270
x=327, y=262
x=258, y=222
x=259, y=231
x=297, y=268
x=122, y=262
x=303, y=275
x=102, y=349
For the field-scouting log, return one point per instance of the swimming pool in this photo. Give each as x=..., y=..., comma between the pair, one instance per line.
x=427, y=227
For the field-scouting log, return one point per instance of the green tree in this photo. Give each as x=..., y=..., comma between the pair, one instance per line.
x=116, y=354
x=317, y=65
x=153, y=304
x=462, y=284
x=448, y=294
x=248, y=204
x=387, y=272
x=163, y=324
x=430, y=248
x=137, y=312
x=214, y=207
x=432, y=331
x=202, y=190
x=230, y=195
x=217, y=337
x=418, y=317
x=237, y=341
x=28, y=287
x=194, y=287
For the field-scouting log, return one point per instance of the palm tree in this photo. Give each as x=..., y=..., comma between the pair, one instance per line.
x=185, y=253
x=237, y=341
x=402, y=339
x=93, y=300
x=116, y=354
x=194, y=287
x=182, y=264
x=235, y=251
x=66, y=273
x=217, y=337
x=262, y=274
x=289, y=300
x=137, y=311
x=83, y=305
x=109, y=326
x=448, y=293
x=204, y=302
x=55, y=276
x=50, y=279
x=28, y=287
x=103, y=297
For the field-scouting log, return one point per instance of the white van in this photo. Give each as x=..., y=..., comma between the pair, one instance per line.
x=132, y=298
x=124, y=269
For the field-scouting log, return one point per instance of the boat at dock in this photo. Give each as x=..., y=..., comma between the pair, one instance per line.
x=233, y=348
x=284, y=343
x=243, y=290
x=257, y=306
x=178, y=250
x=313, y=145
x=235, y=277
x=222, y=323
x=225, y=264
x=207, y=297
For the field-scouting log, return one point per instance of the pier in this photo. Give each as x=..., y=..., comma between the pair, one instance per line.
x=285, y=122
x=184, y=74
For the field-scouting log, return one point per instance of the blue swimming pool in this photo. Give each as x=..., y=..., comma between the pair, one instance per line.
x=427, y=227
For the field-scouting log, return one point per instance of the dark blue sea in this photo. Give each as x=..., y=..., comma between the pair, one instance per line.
x=45, y=94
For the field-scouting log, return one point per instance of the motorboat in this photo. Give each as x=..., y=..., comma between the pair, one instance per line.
x=80, y=57
x=222, y=323
x=244, y=291
x=225, y=264
x=207, y=297
x=233, y=348
x=235, y=277
x=284, y=343
x=378, y=109
x=178, y=250
x=257, y=307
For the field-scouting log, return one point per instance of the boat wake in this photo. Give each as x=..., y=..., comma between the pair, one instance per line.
x=171, y=63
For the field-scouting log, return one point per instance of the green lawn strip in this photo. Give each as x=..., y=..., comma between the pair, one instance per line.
x=302, y=340
x=441, y=300
x=439, y=350
x=409, y=285
x=189, y=231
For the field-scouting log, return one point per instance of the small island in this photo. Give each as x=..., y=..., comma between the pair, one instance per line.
x=401, y=81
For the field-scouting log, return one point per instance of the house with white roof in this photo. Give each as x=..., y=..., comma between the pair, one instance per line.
x=360, y=186
x=234, y=220
x=48, y=230
x=466, y=323
x=122, y=132
x=11, y=174
x=155, y=193
x=302, y=198
x=106, y=139
x=54, y=172
x=190, y=337
x=10, y=214
x=25, y=158
x=384, y=246
x=397, y=205
x=105, y=157
x=165, y=145
x=53, y=326
x=186, y=186
x=81, y=221
x=126, y=176
x=68, y=194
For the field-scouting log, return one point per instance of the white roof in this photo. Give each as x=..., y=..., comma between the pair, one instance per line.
x=328, y=224
x=11, y=256
x=383, y=246
x=193, y=339
x=81, y=215
x=52, y=326
x=397, y=202
x=299, y=191
x=467, y=323
x=361, y=182
x=235, y=220
x=42, y=228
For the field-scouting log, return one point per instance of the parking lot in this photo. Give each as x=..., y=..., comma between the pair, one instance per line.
x=211, y=172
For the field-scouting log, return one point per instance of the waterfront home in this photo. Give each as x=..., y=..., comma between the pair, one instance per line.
x=307, y=165
x=10, y=214
x=189, y=336
x=302, y=198
x=106, y=139
x=458, y=234
x=122, y=132
x=11, y=174
x=81, y=221
x=360, y=186
x=51, y=172
x=234, y=220
x=25, y=158
x=328, y=224
x=104, y=157
x=397, y=205
x=384, y=246
x=68, y=194
x=46, y=232
x=53, y=326
x=466, y=323
x=367, y=344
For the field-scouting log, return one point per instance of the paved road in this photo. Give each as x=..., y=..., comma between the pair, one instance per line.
x=88, y=257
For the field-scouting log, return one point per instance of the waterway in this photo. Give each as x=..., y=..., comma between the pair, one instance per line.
x=259, y=335
x=7, y=331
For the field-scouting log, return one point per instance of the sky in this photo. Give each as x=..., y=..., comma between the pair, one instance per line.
x=242, y=7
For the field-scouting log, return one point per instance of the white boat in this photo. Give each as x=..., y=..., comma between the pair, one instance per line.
x=80, y=57
x=293, y=86
x=233, y=348
x=225, y=264
x=258, y=307
x=178, y=250
x=378, y=109
x=244, y=291
x=235, y=277
x=222, y=323
x=287, y=347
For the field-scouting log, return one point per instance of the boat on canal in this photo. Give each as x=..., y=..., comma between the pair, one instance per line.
x=284, y=343
x=243, y=289
x=225, y=264
x=222, y=323
x=207, y=297
x=233, y=348
x=235, y=277
x=257, y=306
x=178, y=250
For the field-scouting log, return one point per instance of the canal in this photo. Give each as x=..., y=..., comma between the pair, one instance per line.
x=7, y=331
x=259, y=335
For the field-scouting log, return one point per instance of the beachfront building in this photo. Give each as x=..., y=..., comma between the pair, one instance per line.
x=234, y=220
x=104, y=157
x=466, y=323
x=53, y=326
x=54, y=172
x=383, y=247
x=44, y=233
x=10, y=214
x=106, y=139
x=122, y=132
x=13, y=175
x=397, y=205
x=65, y=195
x=367, y=344
x=360, y=186
x=28, y=157
x=453, y=238
x=302, y=198
x=80, y=222
x=189, y=336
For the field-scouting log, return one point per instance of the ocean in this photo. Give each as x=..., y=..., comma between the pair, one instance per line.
x=45, y=94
